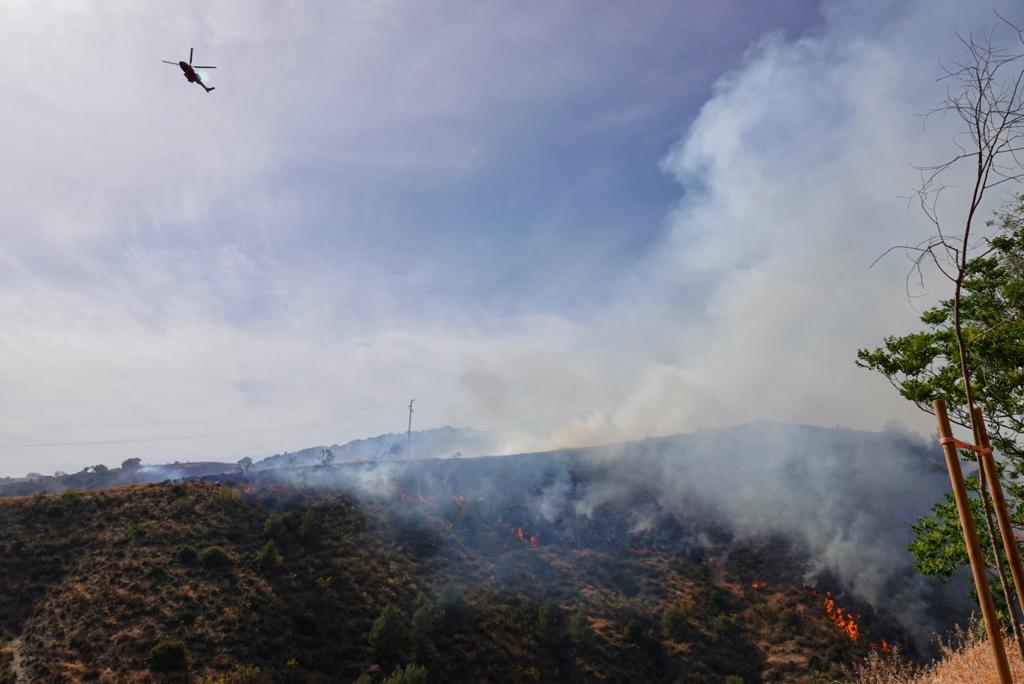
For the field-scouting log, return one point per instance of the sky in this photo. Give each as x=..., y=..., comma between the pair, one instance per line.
x=578, y=222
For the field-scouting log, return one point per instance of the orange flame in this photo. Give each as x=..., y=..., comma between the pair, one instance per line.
x=840, y=618
x=759, y=584
x=884, y=647
x=519, y=533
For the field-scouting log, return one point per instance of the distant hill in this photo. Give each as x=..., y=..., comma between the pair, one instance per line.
x=436, y=443
x=445, y=442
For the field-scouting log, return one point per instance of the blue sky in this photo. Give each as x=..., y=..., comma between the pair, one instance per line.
x=578, y=217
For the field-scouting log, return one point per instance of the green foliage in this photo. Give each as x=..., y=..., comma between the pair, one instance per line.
x=276, y=525
x=412, y=674
x=363, y=679
x=925, y=365
x=734, y=679
x=269, y=558
x=635, y=632
x=724, y=625
x=389, y=636
x=214, y=557
x=421, y=631
x=451, y=604
x=168, y=656
x=579, y=628
x=309, y=529
x=549, y=624
x=673, y=622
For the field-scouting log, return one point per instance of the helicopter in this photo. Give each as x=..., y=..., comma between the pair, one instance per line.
x=189, y=70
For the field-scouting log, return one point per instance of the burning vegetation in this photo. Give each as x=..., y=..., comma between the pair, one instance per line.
x=547, y=572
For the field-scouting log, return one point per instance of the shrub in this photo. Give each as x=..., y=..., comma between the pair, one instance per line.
x=186, y=555
x=412, y=674
x=549, y=624
x=421, y=631
x=389, y=636
x=579, y=628
x=167, y=656
x=673, y=622
x=269, y=557
x=214, y=557
x=734, y=679
x=451, y=604
x=309, y=529
x=276, y=524
x=635, y=632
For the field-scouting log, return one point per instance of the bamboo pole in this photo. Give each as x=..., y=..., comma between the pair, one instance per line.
x=978, y=566
x=1002, y=513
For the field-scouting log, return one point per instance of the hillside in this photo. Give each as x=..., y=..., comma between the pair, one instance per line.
x=620, y=563
x=96, y=579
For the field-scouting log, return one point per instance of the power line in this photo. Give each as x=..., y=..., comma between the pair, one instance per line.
x=201, y=421
x=171, y=438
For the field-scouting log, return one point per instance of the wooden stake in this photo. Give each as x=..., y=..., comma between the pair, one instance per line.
x=978, y=566
x=1002, y=513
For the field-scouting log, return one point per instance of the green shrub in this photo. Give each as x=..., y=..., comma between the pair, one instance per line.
x=412, y=674
x=451, y=604
x=734, y=679
x=549, y=624
x=673, y=622
x=167, y=656
x=276, y=525
x=214, y=557
x=635, y=632
x=724, y=625
x=309, y=529
x=389, y=636
x=269, y=558
x=421, y=631
x=579, y=628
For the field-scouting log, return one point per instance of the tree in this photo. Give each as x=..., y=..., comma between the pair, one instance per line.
x=926, y=364
x=131, y=464
x=986, y=94
x=269, y=557
x=673, y=622
x=168, y=656
x=421, y=631
x=549, y=624
x=309, y=528
x=243, y=465
x=326, y=457
x=451, y=604
x=579, y=628
x=412, y=674
x=389, y=636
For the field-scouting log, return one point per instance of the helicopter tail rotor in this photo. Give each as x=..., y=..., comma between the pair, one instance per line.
x=190, y=55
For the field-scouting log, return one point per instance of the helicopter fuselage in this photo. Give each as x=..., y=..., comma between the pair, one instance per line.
x=190, y=73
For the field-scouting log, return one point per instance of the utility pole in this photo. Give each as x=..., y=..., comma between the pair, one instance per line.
x=408, y=433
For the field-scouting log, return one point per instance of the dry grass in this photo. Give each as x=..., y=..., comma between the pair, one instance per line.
x=966, y=659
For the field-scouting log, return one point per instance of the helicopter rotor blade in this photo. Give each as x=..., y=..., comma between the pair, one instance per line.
x=190, y=55
x=203, y=67
x=166, y=62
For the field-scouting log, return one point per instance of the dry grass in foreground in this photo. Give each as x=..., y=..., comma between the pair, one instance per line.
x=966, y=659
